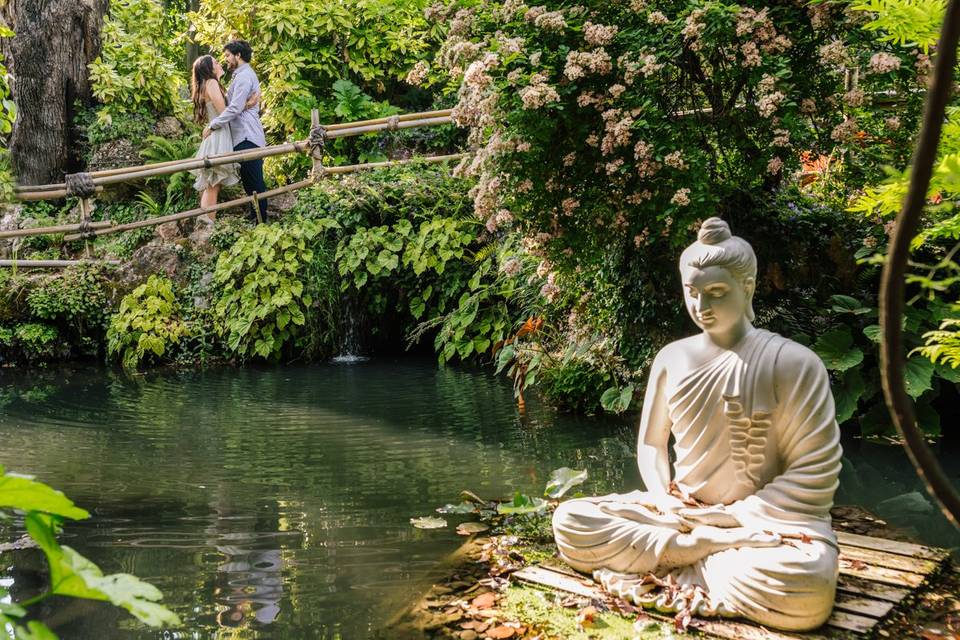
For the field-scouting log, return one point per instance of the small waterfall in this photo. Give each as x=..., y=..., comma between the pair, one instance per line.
x=350, y=348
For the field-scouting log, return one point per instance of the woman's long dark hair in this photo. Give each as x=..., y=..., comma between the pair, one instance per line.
x=202, y=71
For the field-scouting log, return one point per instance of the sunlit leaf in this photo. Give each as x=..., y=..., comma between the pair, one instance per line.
x=17, y=492
x=562, y=480
x=73, y=575
x=522, y=504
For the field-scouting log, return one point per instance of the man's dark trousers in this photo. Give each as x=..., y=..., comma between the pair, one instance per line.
x=251, y=174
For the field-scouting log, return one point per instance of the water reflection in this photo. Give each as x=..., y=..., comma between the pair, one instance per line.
x=275, y=503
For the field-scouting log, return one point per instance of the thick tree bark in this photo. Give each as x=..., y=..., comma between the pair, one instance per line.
x=55, y=41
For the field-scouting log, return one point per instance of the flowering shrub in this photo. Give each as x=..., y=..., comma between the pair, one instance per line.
x=606, y=133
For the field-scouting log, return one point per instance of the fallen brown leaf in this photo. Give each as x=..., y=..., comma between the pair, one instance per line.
x=501, y=632
x=484, y=601
x=586, y=616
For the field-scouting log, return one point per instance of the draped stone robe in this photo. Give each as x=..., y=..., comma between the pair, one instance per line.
x=766, y=446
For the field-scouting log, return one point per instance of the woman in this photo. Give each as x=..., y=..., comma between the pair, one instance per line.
x=741, y=518
x=209, y=99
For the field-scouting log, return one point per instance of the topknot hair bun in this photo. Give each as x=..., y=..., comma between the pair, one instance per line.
x=714, y=231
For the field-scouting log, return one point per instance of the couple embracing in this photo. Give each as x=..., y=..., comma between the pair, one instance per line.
x=232, y=120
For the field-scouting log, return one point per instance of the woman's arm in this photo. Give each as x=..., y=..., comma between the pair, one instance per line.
x=652, y=456
x=215, y=96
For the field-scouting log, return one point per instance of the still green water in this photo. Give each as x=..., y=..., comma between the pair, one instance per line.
x=275, y=503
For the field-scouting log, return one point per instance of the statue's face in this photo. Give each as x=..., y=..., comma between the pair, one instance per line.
x=716, y=301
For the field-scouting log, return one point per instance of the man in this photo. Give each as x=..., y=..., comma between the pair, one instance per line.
x=244, y=122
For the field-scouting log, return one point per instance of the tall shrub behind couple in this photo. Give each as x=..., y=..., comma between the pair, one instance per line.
x=233, y=122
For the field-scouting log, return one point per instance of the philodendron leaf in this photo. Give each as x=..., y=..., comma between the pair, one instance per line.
x=847, y=394
x=836, y=349
x=73, y=575
x=428, y=522
x=522, y=504
x=917, y=376
x=22, y=493
x=562, y=480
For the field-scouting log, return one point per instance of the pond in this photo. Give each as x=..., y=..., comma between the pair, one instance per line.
x=275, y=502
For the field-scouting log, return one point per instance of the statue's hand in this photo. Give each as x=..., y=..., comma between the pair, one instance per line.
x=735, y=538
x=714, y=516
x=665, y=503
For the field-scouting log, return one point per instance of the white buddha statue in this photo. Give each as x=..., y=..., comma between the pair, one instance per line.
x=740, y=526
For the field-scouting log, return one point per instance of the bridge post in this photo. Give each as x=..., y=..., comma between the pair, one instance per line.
x=317, y=152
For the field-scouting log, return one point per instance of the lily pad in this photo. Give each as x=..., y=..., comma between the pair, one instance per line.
x=470, y=528
x=463, y=507
x=428, y=522
x=562, y=480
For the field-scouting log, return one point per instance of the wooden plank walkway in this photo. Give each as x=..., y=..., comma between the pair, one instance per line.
x=876, y=575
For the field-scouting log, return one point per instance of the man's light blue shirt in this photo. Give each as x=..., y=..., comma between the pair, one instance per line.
x=244, y=123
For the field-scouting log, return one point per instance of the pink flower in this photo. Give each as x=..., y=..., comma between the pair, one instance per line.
x=681, y=198
x=657, y=18
x=775, y=165
x=883, y=62
x=598, y=35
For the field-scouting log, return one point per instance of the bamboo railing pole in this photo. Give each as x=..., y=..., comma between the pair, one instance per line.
x=41, y=231
x=267, y=194
x=192, y=213
x=52, y=194
x=51, y=264
x=400, y=118
x=316, y=152
x=114, y=176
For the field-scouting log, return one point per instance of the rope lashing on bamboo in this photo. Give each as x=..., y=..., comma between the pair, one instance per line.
x=318, y=138
x=393, y=123
x=80, y=185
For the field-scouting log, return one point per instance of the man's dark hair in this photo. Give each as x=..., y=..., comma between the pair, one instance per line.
x=239, y=48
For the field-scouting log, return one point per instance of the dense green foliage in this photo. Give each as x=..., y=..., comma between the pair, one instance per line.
x=138, y=67
x=8, y=115
x=147, y=326
x=44, y=509
x=265, y=288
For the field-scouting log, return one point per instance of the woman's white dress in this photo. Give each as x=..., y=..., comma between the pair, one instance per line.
x=218, y=142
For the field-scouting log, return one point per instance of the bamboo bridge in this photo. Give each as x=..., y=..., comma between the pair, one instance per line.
x=86, y=186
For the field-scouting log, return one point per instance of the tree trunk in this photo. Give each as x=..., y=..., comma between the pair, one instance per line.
x=55, y=41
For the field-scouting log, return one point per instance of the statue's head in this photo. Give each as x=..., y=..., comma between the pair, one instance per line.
x=719, y=273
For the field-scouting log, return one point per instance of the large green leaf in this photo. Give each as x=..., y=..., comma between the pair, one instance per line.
x=848, y=393
x=918, y=375
x=562, y=480
x=836, y=349
x=73, y=575
x=846, y=304
x=617, y=400
x=22, y=493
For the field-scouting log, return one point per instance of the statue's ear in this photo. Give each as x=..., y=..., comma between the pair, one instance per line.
x=749, y=285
